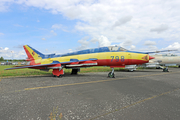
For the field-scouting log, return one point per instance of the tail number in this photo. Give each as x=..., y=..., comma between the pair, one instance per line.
x=117, y=58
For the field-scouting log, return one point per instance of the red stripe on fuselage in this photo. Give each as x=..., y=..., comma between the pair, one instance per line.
x=109, y=62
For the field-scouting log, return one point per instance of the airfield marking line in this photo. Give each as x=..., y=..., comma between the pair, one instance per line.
x=113, y=79
x=138, y=102
x=73, y=84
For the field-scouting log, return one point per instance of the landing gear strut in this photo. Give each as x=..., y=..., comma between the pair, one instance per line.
x=111, y=74
x=75, y=71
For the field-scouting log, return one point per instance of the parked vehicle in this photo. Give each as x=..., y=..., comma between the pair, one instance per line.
x=8, y=63
x=15, y=63
x=2, y=63
x=23, y=63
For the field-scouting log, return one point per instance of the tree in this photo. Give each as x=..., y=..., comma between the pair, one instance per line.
x=1, y=59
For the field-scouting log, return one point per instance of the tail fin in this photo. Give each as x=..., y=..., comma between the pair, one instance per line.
x=32, y=53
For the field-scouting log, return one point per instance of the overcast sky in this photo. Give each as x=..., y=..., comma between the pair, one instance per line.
x=61, y=26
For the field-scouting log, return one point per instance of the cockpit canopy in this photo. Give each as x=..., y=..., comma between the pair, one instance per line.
x=116, y=48
x=95, y=50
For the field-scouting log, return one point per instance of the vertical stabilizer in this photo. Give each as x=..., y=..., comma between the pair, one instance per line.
x=32, y=53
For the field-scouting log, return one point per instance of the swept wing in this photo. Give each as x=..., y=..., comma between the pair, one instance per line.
x=53, y=65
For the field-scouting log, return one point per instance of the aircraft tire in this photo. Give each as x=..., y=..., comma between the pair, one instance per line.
x=111, y=76
x=165, y=70
x=59, y=76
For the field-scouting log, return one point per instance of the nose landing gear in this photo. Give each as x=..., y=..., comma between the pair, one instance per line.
x=165, y=69
x=111, y=74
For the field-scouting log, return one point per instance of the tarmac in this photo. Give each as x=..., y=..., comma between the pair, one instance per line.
x=147, y=94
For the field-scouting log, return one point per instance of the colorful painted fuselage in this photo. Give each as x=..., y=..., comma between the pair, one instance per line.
x=113, y=56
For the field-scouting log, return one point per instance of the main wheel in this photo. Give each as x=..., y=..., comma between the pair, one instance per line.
x=74, y=71
x=111, y=75
x=59, y=76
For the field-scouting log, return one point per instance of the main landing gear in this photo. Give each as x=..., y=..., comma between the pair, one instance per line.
x=75, y=71
x=111, y=74
x=58, y=72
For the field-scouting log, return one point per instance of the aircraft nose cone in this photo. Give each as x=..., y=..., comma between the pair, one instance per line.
x=150, y=57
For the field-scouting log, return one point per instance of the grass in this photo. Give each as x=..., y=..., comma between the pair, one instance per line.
x=20, y=72
x=54, y=115
x=33, y=72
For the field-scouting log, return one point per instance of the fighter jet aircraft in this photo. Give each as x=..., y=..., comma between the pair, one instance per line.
x=112, y=56
x=163, y=61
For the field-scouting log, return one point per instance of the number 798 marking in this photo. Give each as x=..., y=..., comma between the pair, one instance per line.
x=117, y=58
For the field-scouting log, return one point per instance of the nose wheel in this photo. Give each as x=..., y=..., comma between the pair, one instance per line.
x=111, y=74
x=165, y=69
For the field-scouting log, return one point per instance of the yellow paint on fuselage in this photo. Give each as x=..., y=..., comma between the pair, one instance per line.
x=99, y=56
x=130, y=56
